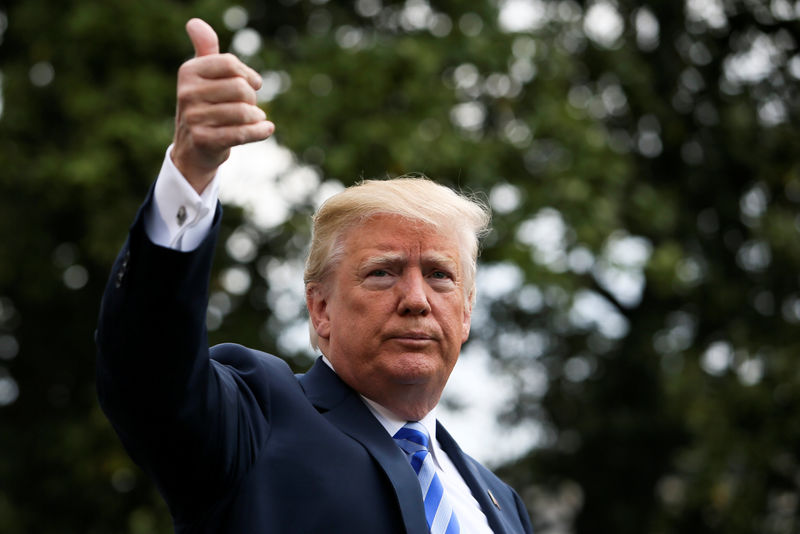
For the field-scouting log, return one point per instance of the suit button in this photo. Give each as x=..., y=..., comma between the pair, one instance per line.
x=123, y=268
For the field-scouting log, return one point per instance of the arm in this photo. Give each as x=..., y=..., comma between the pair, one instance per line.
x=191, y=423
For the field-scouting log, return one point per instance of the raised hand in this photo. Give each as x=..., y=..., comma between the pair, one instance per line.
x=216, y=108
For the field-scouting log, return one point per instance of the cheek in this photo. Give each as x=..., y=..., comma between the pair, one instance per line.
x=355, y=322
x=457, y=321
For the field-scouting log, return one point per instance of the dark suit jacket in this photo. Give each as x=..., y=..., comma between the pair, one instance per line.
x=237, y=443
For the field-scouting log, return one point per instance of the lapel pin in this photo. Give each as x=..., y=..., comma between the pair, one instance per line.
x=494, y=501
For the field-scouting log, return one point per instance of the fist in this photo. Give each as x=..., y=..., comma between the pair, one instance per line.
x=216, y=108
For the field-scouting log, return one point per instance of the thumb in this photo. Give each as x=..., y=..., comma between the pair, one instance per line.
x=203, y=37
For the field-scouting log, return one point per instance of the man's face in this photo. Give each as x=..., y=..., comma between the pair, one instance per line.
x=392, y=316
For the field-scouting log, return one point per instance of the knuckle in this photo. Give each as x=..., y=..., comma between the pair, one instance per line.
x=186, y=93
x=244, y=92
x=193, y=116
x=242, y=87
x=235, y=114
x=185, y=69
x=242, y=135
x=189, y=69
x=229, y=63
x=245, y=113
x=239, y=136
x=229, y=59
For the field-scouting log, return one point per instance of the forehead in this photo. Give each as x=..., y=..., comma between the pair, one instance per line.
x=395, y=234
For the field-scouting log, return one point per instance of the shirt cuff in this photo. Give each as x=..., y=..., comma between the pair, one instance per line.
x=179, y=218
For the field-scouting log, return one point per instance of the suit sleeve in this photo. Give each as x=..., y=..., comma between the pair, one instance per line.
x=193, y=424
x=524, y=518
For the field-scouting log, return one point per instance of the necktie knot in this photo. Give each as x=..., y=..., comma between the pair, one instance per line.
x=413, y=437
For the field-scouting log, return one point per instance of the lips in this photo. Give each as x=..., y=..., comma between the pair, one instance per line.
x=414, y=336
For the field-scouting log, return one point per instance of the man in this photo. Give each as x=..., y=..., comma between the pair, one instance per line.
x=235, y=442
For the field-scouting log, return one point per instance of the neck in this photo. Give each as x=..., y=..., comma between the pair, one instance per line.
x=405, y=403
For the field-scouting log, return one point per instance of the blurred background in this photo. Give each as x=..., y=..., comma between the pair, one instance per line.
x=635, y=345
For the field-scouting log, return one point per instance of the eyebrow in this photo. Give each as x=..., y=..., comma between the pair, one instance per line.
x=389, y=258
x=394, y=258
x=439, y=259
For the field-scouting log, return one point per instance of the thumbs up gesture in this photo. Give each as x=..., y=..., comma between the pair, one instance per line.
x=216, y=108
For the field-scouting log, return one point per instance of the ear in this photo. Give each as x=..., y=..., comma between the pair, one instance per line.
x=466, y=320
x=317, y=304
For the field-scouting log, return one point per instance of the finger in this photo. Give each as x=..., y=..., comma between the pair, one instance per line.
x=223, y=137
x=223, y=66
x=217, y=92
x=203, y=37
x=226, y=115
x=255, y=132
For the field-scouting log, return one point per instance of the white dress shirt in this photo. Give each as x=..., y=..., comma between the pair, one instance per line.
x=179, y=218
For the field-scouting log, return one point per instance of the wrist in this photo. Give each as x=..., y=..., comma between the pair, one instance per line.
x=198, y=175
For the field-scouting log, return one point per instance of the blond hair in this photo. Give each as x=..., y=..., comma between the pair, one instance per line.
x=415, y=198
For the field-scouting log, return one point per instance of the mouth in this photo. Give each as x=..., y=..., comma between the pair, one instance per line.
x=412, y=338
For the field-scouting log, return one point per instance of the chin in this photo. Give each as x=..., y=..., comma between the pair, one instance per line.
x=414, y=368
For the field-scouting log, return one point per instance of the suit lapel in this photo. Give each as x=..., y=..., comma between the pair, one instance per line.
x=474, y=480
x=344, y=408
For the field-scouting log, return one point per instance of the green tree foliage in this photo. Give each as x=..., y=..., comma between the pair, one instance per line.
x=642, y=291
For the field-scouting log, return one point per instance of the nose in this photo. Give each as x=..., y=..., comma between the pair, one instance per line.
x=413, y=297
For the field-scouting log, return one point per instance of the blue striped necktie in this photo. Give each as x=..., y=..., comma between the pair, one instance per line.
x=414, y=440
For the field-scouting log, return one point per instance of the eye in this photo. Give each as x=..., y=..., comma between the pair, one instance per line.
x=379, y=279
x=441, y=275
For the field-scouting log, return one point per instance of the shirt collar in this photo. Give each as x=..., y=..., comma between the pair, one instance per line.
x=392, y=423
